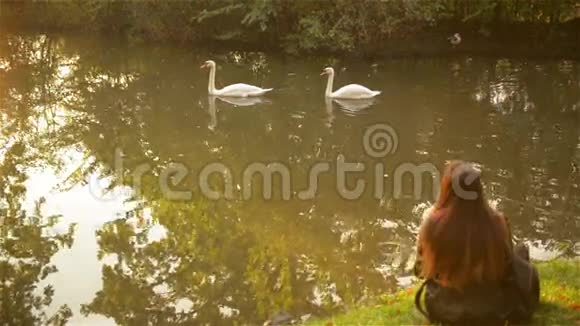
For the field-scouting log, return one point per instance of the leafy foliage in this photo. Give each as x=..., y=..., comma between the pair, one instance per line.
x=295, y=26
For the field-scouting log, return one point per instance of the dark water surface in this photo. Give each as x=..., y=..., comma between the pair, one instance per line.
x=135, y=255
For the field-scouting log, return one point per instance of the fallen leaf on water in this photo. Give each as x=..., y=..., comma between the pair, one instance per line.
x=575, y=306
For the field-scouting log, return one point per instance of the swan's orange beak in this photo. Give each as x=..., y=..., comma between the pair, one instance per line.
x=203, y=66
x=323, y=73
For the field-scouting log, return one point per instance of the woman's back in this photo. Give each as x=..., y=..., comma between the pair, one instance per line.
x=463, y=240
x=465, y=254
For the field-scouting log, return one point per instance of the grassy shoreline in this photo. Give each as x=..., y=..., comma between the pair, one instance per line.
x=559, y=301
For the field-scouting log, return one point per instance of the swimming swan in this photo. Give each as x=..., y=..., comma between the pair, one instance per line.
x=235, y=90
x=352, y=91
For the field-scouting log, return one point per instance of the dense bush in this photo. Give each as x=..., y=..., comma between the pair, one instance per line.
x=295, y=26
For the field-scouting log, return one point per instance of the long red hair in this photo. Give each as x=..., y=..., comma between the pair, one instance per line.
x=463, y=240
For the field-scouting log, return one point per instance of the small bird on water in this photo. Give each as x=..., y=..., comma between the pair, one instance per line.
x=455, y=39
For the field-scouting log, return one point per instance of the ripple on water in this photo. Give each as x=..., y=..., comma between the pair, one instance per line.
x=298, y=115
x=420, y=210
x=354, y=112
x=544, y=250
x=504, y=173
x=295, y=138
x=553, y=182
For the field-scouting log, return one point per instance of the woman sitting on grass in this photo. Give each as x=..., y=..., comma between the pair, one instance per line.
x=465, y=253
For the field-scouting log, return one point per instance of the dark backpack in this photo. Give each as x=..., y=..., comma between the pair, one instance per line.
x=513, y=300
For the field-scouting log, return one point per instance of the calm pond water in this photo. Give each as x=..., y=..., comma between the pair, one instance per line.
x=82, y=115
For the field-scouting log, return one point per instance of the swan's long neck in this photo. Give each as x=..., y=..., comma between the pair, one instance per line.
x=329, y=84
x=211, y=84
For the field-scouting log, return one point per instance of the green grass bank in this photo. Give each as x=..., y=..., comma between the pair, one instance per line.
x=559, y=301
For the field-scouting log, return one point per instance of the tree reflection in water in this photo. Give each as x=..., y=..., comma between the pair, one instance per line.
x=28, y=239
x=27, y=244
x=222, y=269
x=243, y=261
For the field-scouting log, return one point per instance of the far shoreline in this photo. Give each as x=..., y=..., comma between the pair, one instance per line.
x=400, y=49
x=501, y=36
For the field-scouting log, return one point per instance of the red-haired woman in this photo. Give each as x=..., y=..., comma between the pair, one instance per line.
x=465, y=254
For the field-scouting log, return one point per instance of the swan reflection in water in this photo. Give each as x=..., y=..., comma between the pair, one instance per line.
x=235, y=101
x=243, y=101
x=354, y=107
x=348, y=107
x=329, y=121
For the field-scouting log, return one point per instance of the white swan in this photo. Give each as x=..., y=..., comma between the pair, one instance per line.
x=235, y=90
x=352, y=91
